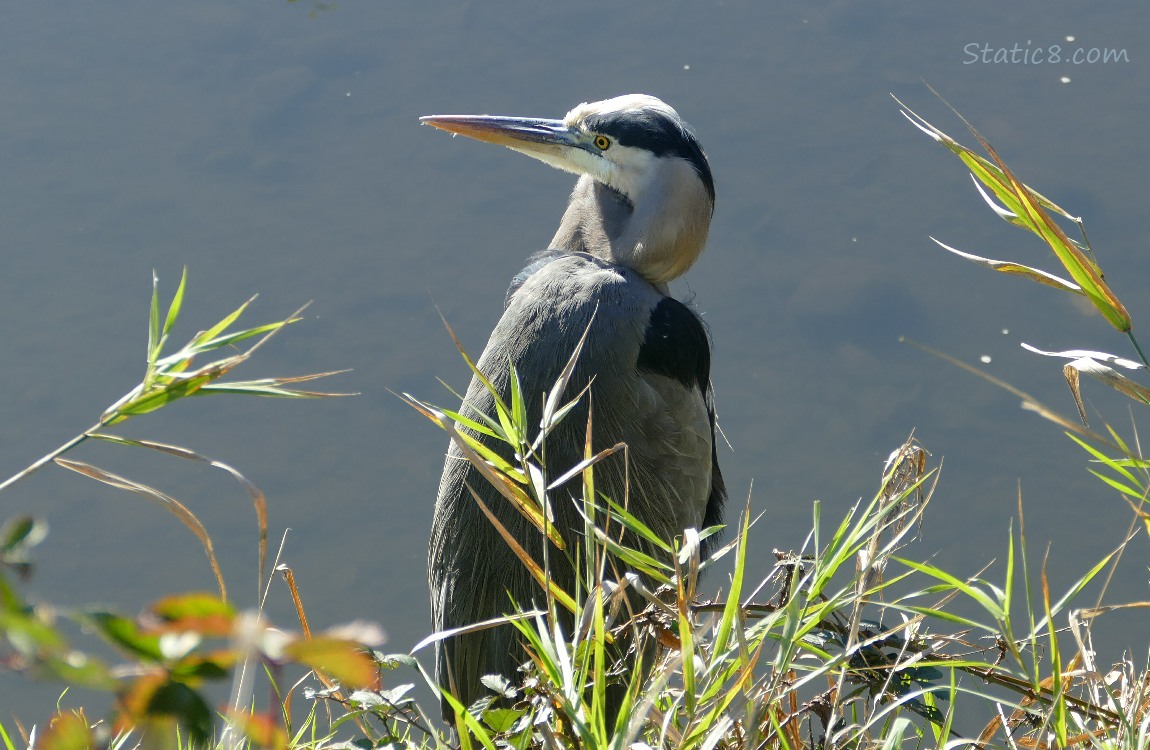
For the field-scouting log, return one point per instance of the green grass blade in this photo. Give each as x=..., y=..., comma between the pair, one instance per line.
x=175, y=306
x=222, y=326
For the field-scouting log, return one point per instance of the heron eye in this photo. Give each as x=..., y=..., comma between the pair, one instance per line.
x=602, y=142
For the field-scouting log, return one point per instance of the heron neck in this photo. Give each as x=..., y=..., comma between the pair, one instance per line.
x=595, y=219
x=661, y=245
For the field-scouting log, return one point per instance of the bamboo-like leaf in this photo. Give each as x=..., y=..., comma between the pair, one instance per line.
x=495, y=459
x=977, y=163
x=476, y=627
x=1118, y=466
x=160, y=396
x=1107, y=375
x=633, y=524
x=500, y=406
x=1016, y=269
x=633, y=557
x=1008, y=216
x=551, y=415
x=539, y=492
x=175, y=307
x=205, y=336
x=987, y=603
x=517, y=414
x=1125, y=489
x=1080, y=353
x=1030, y=210
x=551, y=419
x=505, y=485
x=731, y=617
x=172, y=505
x=585, y=464
x=1076, y=589
x=233, y=338
x=272, y=387
x=153, y=329
x=533, y=567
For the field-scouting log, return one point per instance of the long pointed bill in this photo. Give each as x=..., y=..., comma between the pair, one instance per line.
x=544, y=139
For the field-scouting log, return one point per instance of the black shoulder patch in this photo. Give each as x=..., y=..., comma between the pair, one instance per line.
x=676, y=345
x=535, y=261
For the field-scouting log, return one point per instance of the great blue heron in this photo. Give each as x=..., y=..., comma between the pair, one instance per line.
x=637, y=218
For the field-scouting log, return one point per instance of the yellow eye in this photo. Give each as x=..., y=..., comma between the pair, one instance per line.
x=602, y=142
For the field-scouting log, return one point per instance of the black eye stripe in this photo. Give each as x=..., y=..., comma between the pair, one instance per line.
x=655, y=132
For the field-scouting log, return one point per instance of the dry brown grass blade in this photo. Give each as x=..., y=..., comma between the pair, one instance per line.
x=1029, y=403
x=171, y=504
x=255, y=494
x=301, y=615
x=533, y=567
x=1071, y=374
x=988, y=732
x=1096, y=611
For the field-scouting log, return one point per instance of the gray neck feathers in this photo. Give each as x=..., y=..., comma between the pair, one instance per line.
x=659, y=232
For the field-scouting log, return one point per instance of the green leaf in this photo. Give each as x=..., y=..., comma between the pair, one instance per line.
x=19, y=535
x=186, y=706
x=501, y=719
x=196, y=669
x=199, y=346
x=974, y=593
x=126, y=634
x=634, y=525
x=160, y=396
x=205, y=337
x=174, y=308
x=154, y=322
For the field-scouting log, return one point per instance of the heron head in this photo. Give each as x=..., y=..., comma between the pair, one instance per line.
x=637, y=147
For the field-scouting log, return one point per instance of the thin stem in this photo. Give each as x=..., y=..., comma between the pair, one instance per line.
x=1141, y=355
x=39, y=464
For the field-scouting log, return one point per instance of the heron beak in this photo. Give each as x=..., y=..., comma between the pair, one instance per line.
x=513, y=132
x=550, y=141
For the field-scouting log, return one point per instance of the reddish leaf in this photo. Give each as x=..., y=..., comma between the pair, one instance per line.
x=339, y=659
x=204, y=613
x=67, y=731
x=261, y=730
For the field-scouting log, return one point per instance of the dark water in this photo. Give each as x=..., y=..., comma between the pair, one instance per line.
x=274, y=148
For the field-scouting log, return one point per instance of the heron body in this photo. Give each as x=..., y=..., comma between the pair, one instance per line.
x=638, y=218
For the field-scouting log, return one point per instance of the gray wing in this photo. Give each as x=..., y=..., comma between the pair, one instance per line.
x=649, y=360
x=676, y=345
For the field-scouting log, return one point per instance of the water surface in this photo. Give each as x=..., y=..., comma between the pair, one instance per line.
x=275, y=148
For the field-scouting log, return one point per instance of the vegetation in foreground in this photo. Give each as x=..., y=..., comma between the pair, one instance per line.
x=847, y=642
